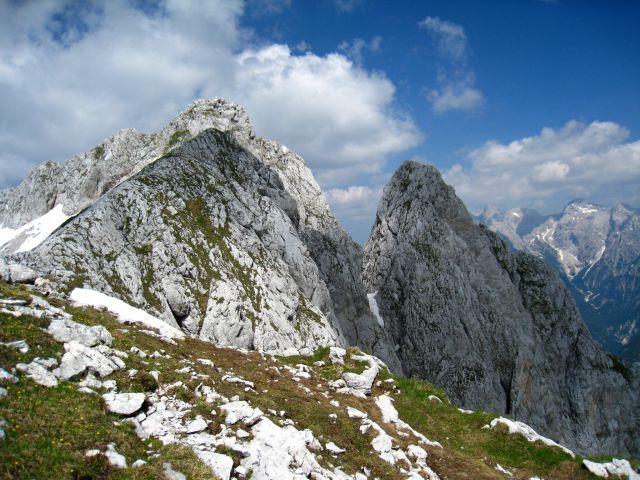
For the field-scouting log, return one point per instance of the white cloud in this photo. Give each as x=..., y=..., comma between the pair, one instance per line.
x=354, y=49
x=337, y=116
x=64, y=88
x=455, y=96
x=545, y=171
x=456, y=81
x=355, y=203
x=449, y=37
x=551, y=171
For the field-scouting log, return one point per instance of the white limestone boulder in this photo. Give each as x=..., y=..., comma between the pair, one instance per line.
x=80, y=359
x=123, y=403
x=38, y=374
x=65, y=330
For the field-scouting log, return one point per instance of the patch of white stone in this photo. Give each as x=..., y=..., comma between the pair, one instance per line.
x=38, y=374
x=123, y=403
x=79, y=359
x=355, y=413
x=241, y=381
x=337, y=354
x=333, y=449
x=526, y=431
x=114, y=458
x=20, y=345
x=6, y=376
x=390, y=415
x=358, y=384
x=501, y=469
x=616, y=467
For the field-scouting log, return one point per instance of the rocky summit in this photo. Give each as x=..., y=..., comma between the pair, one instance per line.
x=204, y=236
x=496, y=329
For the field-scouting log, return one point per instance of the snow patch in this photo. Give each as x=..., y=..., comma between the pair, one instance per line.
x=373, y=306
x=586, y=210
x=124, y=311
x=32, y=234
x=596, y=259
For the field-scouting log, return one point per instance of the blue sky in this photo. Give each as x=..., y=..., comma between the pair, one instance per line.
x=519, y=103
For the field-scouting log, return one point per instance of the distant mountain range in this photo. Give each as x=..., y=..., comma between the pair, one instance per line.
x=596, y=250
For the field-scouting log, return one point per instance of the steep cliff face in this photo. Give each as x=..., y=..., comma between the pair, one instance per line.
x=497, y=330
x=226, y=235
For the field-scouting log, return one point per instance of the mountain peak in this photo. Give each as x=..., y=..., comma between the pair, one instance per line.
x=418, y=171
x=488, y=325
x=81, y=180
x=216, y=113
x=421, y=186
x=583, y=207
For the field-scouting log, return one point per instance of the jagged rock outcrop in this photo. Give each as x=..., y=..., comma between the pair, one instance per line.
x=496, y=329
x=225, y=235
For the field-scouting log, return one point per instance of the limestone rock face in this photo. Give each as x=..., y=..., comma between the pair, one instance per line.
x=191, y=240
x=496, y=329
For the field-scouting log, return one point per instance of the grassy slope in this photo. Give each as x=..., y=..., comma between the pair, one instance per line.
x=49, y=429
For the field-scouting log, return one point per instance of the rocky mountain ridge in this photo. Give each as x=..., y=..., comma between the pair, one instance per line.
x=597, y=251
x=223, y=225
x=227, y=237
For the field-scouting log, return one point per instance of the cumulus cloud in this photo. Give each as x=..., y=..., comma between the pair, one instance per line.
x=355, y=202
x=70, y=77
x=455, y=96
x=547, y=170
x=356, y=207
x=456, y=80
x=337, y=116
x=64, y=88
